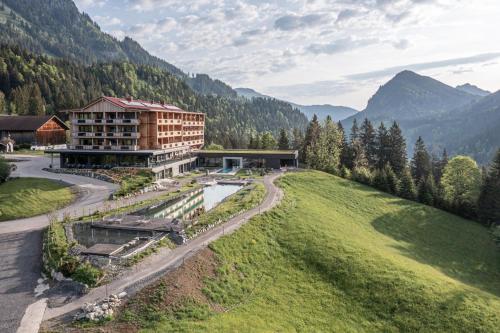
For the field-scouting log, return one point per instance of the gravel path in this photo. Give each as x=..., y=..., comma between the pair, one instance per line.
x=156, y=265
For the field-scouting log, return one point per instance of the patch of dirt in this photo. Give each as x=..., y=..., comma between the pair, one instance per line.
x=167, y=293
x=185, y=282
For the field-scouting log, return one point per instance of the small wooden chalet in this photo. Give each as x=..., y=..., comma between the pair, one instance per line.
x=33, y=130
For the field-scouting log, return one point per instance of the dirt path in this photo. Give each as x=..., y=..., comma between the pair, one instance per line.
x=155, y=266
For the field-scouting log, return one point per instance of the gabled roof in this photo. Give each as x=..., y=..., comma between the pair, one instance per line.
x=27, y=123
x=136, y=104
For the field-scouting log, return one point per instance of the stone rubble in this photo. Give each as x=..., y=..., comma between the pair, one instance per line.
x=102, y=309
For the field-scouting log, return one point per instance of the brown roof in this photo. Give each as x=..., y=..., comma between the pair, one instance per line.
x=26, y=123
x=137, y=104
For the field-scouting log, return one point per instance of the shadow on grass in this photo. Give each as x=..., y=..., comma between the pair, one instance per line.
x=459, y=248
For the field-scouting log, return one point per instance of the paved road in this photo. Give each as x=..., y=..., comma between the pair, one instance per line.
x=20, y=241
x=154, y=266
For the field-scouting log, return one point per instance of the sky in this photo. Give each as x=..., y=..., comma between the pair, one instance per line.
x=314, y=51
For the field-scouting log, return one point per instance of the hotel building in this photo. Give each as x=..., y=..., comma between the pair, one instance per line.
x=122, y=132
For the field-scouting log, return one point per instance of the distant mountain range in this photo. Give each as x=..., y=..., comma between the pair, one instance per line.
x=474, y=90
x=464, y=120
x=322, y=111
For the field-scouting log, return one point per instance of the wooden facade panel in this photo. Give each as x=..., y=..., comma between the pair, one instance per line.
x=103, y=106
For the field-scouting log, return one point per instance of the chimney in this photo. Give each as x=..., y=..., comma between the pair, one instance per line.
x=129, y=98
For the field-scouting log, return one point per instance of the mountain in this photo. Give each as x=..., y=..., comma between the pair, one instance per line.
x=474, y=90
x=322, y=111
x=411, y=96
x=444, y=116
x=56, y=28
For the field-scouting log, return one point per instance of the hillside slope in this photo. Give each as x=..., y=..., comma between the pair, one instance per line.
x=57, y=28
x=337, y=256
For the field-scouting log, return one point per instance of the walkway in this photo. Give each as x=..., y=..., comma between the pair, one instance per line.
x=153, y=267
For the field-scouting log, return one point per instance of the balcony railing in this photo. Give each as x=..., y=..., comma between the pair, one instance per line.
x=106, y=121
x=104, y=147
x=134, y=135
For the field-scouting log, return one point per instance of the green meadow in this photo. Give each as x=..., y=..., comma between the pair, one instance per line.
x=337, y=256
x=26, y=197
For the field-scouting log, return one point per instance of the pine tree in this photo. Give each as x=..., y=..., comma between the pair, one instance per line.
x=426, y=190
x=345, y=160
x=368, y=139
x=383, y=146
x=438, y=165
x=391, y=179
x=311, y=141
x=379, y=180
x=36, y=103
x=283, y=142
x=298, y=139
x=2, y=102
x=421, y=162
x=407, y=188
x=268, y=141
x=489, y=199
x=354, y=135
x=251, y=142
x=397, y=149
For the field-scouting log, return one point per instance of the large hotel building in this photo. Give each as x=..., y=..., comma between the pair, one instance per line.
x=122, y=132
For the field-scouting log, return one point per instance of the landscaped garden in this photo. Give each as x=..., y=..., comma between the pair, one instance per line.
x=26, y=197
x=334, y=256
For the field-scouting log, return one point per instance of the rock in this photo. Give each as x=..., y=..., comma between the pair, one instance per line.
x=122, y=294
x=105, y=306
x=58, y=276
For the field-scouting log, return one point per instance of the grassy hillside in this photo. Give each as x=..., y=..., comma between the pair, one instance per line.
x=26, y=197
x=338, y=256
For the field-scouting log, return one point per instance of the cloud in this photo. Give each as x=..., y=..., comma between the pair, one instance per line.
x=90, y=3
x=389, y=71
x=107, y=21
x=341, y=45
x=293, y=22
x=318, y=88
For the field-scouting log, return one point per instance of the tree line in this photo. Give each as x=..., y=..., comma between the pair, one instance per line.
x=377, y=157
x=36, y=85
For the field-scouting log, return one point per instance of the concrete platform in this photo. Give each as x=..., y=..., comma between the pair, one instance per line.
x=103, y=249
x=139, y=223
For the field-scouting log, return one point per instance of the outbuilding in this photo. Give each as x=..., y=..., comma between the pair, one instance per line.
x=33, y=130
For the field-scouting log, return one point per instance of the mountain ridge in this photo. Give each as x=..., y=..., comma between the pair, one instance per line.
x=337, y=112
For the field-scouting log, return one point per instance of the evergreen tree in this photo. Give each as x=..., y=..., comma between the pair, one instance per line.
x=268, y=141
x=391, y=179
x=257, y=142
x=298, y=139
x=489, y=199
x=329, y=147
x=426, y=190
x=354, y=135
x=397, y=149
x=36, y=105
x=367, y=136
x=283, y=142
x=407, y=188
x=311, y=141
x=251, y=142
x=383, y=146
x=345, y=160
x=438, y=166
x=421, y=162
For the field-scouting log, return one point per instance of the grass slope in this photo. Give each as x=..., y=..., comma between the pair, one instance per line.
x=26, y=197
x=339, y=256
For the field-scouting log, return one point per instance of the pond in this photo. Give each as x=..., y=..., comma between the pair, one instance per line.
x=185, y=208
x=195, y=203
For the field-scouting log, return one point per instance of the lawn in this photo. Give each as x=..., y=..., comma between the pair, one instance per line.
x=337, y=256
x=26, y=197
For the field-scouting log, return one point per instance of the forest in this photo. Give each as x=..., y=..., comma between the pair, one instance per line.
x=35, y=84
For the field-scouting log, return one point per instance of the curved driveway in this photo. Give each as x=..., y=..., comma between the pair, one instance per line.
x=20, y=240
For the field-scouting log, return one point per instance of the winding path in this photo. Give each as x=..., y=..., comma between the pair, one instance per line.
x=166, y=260
x=20, y=240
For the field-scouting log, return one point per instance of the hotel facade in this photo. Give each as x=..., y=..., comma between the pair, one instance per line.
x=123, y=132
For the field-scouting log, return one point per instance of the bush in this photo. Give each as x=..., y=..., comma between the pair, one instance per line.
x=88, y=274
x=345, y=173
x=362, y=175
x=4, y=170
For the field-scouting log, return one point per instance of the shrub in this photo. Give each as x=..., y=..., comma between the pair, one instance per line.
x=88, y=274
x=4, y=170
x=362, y=175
